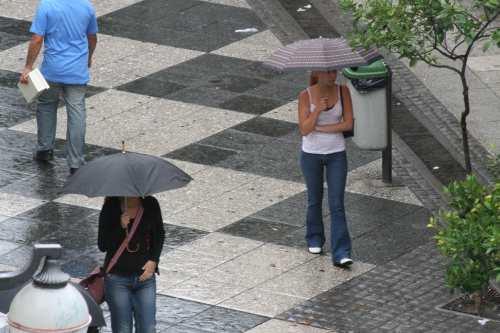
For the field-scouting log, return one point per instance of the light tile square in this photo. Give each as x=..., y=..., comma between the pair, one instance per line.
x=169, y=278
x=191, y=128
x=275, y=326
x=221, y=246
x=14, y=204
x=367, y=180
x=100, y=108
x=190, y=168
x=235, y=3
x=112, y=70
x=208, y=183
x=13, y=59
x=103, y=7
x=205, y=290
x=18, y=9
x=257, y=47
x=261, y=302
x=188, y=263
x=81, y=200
x=203, y=218
x=287, y=112
x=313, y=278
x=259, y=265
x=485, y=63
x=255, y=196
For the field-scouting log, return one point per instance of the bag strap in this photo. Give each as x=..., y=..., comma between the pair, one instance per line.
x=125, y=242
x=341, y=98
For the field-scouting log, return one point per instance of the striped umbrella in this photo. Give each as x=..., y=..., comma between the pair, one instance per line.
x=320, y=54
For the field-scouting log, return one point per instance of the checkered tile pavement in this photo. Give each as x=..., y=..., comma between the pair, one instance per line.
x=174, y=79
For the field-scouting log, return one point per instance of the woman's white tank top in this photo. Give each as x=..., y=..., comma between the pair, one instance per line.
x=320, y=142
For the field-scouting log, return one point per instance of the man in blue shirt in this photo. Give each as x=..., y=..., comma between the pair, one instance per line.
x=68, y=28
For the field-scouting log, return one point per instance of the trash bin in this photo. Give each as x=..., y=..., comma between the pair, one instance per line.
x=367, y=85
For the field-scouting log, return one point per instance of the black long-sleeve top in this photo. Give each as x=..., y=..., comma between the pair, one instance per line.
x=148, y=238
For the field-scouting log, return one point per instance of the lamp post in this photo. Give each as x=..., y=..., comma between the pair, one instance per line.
x=49, y=304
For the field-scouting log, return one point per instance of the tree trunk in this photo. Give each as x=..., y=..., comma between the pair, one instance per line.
x=463, y=123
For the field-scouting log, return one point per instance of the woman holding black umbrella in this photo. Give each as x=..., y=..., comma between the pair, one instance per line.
x=130, y=285
x=325, y=112
x=131, y=232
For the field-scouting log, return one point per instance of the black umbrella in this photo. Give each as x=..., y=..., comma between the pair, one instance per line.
x=126, y=175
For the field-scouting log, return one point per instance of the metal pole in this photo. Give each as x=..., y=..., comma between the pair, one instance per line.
x=387, y=152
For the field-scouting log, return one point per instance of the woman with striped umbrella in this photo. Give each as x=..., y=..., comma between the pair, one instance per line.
x=325, y=116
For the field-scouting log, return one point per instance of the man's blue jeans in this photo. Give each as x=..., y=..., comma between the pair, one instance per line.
x=46, y=118
x=129, y=298
x=313, y=168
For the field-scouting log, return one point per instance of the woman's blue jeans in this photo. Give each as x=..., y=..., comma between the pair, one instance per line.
x=313, y=168
x=131, y=300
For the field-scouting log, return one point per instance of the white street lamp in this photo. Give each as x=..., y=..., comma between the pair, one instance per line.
x=49, y=304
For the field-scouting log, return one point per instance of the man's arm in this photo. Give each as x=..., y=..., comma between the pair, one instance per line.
x=92, y=38
x=33, y=51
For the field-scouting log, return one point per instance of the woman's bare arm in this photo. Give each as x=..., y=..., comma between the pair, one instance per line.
x=307, y=119
x=347, y=116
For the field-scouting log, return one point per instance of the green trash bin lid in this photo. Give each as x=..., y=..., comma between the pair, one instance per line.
x=376, y=69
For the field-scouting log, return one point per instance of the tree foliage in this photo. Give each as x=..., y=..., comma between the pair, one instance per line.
x=469, y=235
x=420, y=30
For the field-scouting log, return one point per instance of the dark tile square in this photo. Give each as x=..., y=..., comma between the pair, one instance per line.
x=258, y=229
x=59, y=214
x=9, y=40
x=290, y=211
x=80, y=267
x=188, y=24
x=222, y=320
x=158, y=13
x=201, y=154
x=8, y=79
x=267, y=127
x=183, y=329
x=174, y=310
x=178, y=236
x=212, y=97
x=234, y=140
x=19, y=257
x=22, y=162
x=258, y=70
x=182, y=75
x=394, y=239
x=235, y=83
x=24, y=231
x=255, y=164
x=251, y=104
x=93, y=90
x=15, y=26
x=282, y=91
x=149, y=87
x=212, y=64
x=8, y=177
x=357, y=157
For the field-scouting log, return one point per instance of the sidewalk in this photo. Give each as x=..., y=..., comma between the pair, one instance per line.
x=174, y=79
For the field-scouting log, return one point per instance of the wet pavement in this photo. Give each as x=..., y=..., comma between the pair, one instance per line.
x=174, y=79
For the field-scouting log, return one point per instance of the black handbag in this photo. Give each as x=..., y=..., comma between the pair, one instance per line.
x=347, y=134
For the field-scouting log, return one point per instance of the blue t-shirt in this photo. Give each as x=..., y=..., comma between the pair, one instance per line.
x=65, y=24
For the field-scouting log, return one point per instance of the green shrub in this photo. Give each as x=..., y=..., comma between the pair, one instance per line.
x=468, y=233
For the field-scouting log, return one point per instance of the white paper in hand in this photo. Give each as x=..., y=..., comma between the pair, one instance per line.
x=36, y=85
